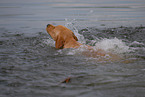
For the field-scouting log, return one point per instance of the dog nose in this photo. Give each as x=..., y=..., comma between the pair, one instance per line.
x=48, y=25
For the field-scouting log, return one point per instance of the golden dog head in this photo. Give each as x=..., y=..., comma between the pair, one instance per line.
x=60, y=34
x=50, y=29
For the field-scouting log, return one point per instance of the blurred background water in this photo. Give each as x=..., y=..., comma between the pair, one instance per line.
x=18, y=14
x=30, y=66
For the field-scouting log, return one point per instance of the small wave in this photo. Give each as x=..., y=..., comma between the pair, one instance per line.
x=136, y=44
x=49, y=42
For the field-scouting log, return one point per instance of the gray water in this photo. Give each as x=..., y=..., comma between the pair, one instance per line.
x=30, y=66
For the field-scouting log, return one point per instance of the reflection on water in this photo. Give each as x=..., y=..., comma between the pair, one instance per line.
x=30, y=66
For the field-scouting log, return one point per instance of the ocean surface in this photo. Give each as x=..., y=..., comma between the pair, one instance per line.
x=30, y=66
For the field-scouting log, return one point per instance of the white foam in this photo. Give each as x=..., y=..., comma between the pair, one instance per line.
x=112, y=45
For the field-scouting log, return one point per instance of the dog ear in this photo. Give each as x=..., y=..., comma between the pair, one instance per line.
x=75, y=37
x=59, y=42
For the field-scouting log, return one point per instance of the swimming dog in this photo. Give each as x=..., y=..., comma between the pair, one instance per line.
x=65, y=38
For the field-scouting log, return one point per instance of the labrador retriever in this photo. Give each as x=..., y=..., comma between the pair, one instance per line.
x=65, y=38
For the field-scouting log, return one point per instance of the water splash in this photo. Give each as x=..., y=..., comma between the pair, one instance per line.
x=72, y=25
x=99, y=39
x=114, y=45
